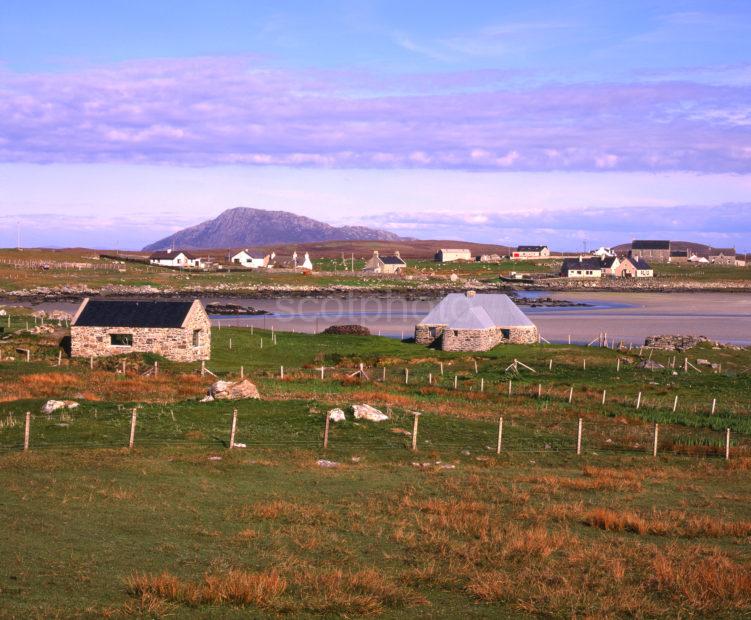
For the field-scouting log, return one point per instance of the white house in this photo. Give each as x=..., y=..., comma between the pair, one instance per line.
x=524, y=252
x=581, y=267
x=176, y=258
x=448, y=255
x=251, y=261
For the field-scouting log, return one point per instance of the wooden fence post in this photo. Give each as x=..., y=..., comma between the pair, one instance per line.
x=500, y=435
x=571, y=394
x=675, y=403
x=714, y=405
x=233, y=429
x=584, y=363
x=326, y=431
x=27, y=432
x=91, y=362
x=509, y=387
x=456, y=382
x=638, y=401
x=482, y=384
x=383, y=377
x=569, y=338
x=323, y=370
x=550, y=364
x=579, y=438
x=618, y=365
x=441, y=368
x=657, y=434
x=475, y=361
x=430, y=378
x=59, y=357
x=539, y=390
x=727, y=444
x=133, y=417
x=281, y=372
x=406, y=376
x=242, y=372
x=604, y=394
x=414, y=430
x=156, y=369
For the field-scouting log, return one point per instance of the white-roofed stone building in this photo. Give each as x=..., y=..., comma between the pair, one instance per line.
x=472, y=322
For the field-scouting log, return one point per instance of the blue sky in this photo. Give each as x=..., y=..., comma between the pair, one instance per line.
x=560, y=122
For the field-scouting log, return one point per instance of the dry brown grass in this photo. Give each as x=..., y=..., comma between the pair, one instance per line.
x=100, y=385
x=665, y=523
x=235, y=587
x=707, y=584
x=291, y=512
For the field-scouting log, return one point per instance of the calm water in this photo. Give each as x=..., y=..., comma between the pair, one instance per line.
x=628, y=316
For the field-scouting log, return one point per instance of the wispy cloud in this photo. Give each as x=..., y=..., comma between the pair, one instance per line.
x=237, y=111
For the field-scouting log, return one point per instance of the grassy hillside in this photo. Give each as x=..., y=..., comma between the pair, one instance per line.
x=182, y=526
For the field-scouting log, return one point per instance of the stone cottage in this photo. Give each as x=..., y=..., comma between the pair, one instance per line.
x=472, y=322
x=385, y=264
x=178, y=330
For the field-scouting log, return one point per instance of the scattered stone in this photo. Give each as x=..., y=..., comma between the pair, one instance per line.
x=233, y=309
x=336, y=415
x=239, y=445
x=207, y=399
x=356, y=459
x=466, y=452
x=54, y=405
x=233, y=390
x=215, y=458
x=325, y=463
x=366, y=412
x=347, y=330
x=673, y=342
x=446, y=466
x=703, y=362
x=650, y=365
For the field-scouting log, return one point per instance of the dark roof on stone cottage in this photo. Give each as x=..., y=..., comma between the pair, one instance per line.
x=392, y=260
x=592, y=263
x=125, y=313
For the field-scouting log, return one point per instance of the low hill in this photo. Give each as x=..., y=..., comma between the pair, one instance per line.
x=700, y=249
x=244, y=227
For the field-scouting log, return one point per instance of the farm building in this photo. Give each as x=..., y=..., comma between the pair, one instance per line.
x=251, y=261
x=722, y=256
x=634, y=267
x=649, y=249
x=176, y=258
x=178, y=330
x=740, y=260
x=448, y=255
x=472, y=322
x=524, y=252
x=678, y=256
x=489, y=258
x=582, y=267
x=385, y=264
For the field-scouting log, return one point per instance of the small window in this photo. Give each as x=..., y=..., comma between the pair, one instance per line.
x=196, y=337
x=121, y=340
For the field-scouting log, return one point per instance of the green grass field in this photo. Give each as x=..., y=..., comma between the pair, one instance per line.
x=182, y=526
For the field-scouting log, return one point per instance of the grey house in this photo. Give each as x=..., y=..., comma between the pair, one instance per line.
x=385, y=264
x=178, y=330
x=472, y=322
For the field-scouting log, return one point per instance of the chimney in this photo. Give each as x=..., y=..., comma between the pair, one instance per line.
x=580, y=258
x=169, y=251
x=375, y=253
x=470, y=293
x=397, y=254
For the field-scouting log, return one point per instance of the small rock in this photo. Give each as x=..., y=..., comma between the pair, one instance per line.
x=446, y=466
x=239, y=445
x=466, y=452
x=356, y=459
x=336, y=415
x=325, y=463
x=650, y=365
x=215, y=458
x=54, y=405
x=703, y=362
x=207, y=399
x=366, y=412
x=233, y=390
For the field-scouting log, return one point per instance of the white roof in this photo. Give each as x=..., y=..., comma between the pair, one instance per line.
x=460, y=311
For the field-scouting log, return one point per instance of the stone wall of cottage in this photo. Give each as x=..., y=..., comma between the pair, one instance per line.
x=174, y=343
x=474, y=339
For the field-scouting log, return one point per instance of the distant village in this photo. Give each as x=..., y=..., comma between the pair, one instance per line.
x=636, y=262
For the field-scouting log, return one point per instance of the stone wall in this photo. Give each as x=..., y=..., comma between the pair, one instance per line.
x=173, y=343
x=474, y=339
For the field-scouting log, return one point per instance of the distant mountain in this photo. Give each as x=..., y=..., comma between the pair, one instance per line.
x=244, y=227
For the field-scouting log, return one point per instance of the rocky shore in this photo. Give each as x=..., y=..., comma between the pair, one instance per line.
x=417, y=289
